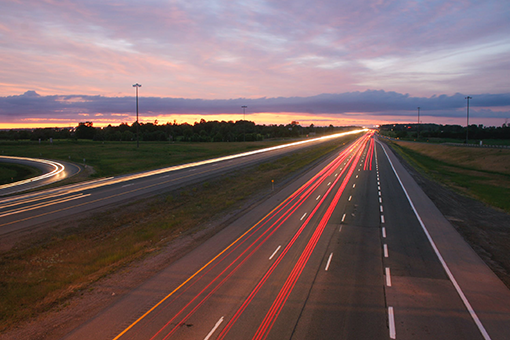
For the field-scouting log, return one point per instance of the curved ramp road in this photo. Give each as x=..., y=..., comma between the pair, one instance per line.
x=52, y=172
x=353, y=249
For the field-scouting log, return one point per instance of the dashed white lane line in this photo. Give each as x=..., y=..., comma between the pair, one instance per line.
x=385, y=248
x=329, y=184
x=391, y=321
x=354, y=185
x=388, y=277
x=380, y=200
x=128, y=185
x=329, y=262
x=381, y=208
x=165, y=176
x=383, y=232
x=340, y=229
x=274, y=253
x=343, y=218
x=379, y=193
x=382, y=218
x=303, y=216
x=350, y=197
x=318, y=197
x=214, y=328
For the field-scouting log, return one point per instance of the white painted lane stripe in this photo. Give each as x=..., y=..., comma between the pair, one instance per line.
x=391, y=322
x=128, y=185
x=354, y=185
x=274, y=253
x=329, y=184
x=388, y=277
x=343, y=218
x=381, y=208
x=380, y=200
x=384, y=232
x=329, y=262
x=214, y=328
x=463, y=297
x=165, y=176
x=357, y=176
x=379, y=193
x=350, y=197
x=318, y=197
x=303, y=216
x=340, y=229
x=382, y=218
x=385, y=248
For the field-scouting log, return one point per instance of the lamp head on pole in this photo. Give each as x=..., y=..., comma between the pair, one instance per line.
x=137, y=85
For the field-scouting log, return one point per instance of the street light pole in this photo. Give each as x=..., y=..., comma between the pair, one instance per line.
x=467, y=124
x=418, y=122
x=244, y=132
x=137, y=139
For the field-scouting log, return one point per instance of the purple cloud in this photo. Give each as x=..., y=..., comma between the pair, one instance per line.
x=349, y=104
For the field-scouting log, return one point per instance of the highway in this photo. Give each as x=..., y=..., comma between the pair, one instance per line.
x=352, y=249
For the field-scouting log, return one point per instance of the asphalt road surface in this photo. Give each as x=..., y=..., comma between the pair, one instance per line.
x=353, y=249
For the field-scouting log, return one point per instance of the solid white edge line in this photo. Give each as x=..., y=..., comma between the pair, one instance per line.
x=329, y=262
x=391, y=323
x=214, y=328
x=388, y=277
x=464, y=299
x=274, y=253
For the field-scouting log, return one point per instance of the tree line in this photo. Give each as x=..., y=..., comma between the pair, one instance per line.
x=479, y=132
x=203, y=131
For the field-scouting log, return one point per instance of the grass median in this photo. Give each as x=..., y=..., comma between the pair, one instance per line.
x=42, y=274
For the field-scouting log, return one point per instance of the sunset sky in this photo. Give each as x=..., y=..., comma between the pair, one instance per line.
x=339, y=62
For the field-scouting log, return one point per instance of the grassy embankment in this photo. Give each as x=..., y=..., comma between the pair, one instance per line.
x=15, y=172
x=39, y=275
x=480, y=173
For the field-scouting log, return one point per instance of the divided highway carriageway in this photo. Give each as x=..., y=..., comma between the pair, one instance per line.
x=353, y=249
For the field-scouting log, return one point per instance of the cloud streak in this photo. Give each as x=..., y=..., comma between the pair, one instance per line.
x=33, y=106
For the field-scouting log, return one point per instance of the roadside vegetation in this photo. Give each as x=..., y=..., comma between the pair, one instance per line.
x=480, y=173
x=435, y=133
x=44, y=271
x=10, y=172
